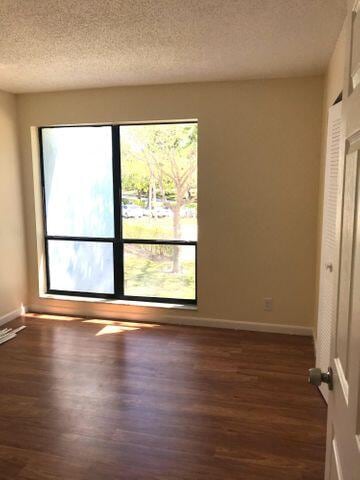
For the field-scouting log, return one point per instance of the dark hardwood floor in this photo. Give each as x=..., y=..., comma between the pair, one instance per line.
x=90, y=400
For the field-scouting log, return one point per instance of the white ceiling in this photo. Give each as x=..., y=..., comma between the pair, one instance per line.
x=66, y=44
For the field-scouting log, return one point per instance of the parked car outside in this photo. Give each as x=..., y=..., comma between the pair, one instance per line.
x=132, y=211
x=161, y=212
x=188, y=212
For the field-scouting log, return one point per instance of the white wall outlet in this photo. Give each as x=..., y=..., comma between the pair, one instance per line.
x=268, y=304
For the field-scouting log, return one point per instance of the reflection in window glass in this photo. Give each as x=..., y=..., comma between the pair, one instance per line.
x=81, y=266
x=159, y=181
x=159, y=270
x=78, y=181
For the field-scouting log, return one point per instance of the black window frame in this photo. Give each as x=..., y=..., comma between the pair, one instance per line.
x=117, y=241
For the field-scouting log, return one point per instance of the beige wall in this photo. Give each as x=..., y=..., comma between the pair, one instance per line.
x=335, y=74
x=259, y=154
x=12, y=260
x=332, y=88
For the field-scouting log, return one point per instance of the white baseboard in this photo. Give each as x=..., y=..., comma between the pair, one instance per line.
x=238, y=325
x=176, y=320
x=12, y=315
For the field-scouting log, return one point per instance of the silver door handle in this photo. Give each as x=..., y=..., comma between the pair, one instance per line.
x=329, y=266
x=317, y=377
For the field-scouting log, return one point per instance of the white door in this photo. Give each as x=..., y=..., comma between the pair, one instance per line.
x=343, y=435
x=329, y=242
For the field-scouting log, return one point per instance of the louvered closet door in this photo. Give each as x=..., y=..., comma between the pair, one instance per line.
x=329, y=255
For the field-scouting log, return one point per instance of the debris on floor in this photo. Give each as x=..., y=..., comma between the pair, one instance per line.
x=10, y=333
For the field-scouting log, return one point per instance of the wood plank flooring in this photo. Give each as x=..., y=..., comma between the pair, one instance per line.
x=99, y=400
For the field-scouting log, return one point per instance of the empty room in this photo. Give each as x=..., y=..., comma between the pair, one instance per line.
x=179, y=240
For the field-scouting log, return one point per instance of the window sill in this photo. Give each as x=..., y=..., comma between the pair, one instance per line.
x=70, y=298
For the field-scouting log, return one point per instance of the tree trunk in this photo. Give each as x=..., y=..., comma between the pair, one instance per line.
x=149, y=205
x=177, y=234
x=154, y=200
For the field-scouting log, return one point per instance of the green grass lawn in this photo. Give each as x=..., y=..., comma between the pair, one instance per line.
x=149, y=268
x=158, y=228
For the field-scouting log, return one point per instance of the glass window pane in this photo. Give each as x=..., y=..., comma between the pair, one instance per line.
x=159, y=271
x=81, y=266
x=78, y=181
x=159, y=181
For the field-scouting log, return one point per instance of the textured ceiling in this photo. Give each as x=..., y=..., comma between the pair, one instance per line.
x=66, y=44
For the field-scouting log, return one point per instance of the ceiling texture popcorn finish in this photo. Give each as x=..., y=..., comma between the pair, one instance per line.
x=50, y=45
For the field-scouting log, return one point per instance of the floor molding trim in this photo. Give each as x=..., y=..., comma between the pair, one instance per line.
x=12, y=315
x=177, y=320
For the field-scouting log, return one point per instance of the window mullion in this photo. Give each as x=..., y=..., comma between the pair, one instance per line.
x=118, y=241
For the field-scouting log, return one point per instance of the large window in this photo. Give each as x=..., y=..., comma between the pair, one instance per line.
x=120, y=210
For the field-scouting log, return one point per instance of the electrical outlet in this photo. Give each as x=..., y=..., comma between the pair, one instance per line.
x=268, y=304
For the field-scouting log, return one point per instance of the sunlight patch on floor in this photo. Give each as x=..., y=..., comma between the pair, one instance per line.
x=119, y=322
x=47, y=316
x=112, y=326
x=109, y=326
x=110, y=329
